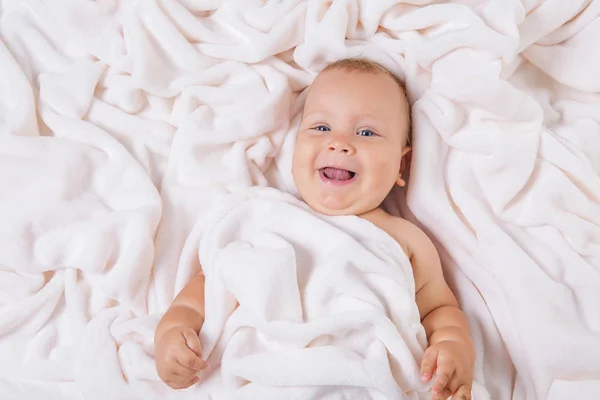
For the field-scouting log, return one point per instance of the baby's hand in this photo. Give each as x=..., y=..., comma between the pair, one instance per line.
x=454, y=371
x=179, y=357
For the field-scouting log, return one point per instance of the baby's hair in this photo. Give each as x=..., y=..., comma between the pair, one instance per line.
x=371, y=67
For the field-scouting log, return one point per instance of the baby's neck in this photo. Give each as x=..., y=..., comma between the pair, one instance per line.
x=375, y=215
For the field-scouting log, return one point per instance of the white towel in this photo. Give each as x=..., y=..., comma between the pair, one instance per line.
x=120, y=120
x=326, y=304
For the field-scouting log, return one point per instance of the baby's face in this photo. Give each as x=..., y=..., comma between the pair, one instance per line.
x=351, y=142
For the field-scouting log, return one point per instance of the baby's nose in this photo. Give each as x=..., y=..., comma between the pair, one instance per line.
x=341, y=145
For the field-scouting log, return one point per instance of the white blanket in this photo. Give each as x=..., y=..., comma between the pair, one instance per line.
x=326, y=304
x=120, y=122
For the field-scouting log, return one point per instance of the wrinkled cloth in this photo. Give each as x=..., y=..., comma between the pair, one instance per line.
x=122, y=122
x=301, y=305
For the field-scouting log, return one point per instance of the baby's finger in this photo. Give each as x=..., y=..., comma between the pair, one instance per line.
x=444, y=372
x=444, y=394
x=173, y=371
x=181, y=372
x=192, y=341
x=188, y=359
x=428, y=364
x=182, y=384
x=457, y=381
x=463, y=393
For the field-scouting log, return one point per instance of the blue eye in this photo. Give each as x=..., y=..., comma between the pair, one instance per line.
x=322, y=128
x=365, y=132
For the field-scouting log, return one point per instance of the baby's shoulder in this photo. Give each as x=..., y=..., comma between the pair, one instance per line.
x=409, y=236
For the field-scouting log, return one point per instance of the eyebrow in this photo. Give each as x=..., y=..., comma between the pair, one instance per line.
x=325, y=115
x=314, y=114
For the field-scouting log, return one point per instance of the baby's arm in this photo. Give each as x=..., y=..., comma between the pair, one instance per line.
x=176, y=344
x=186, y=310
x=451, y=353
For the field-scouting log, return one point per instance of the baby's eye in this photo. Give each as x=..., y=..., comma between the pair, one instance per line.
x=322, y=128
x=365, y=132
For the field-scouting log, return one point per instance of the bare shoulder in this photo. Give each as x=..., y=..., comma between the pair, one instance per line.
x=416, y=244
x=412, y=238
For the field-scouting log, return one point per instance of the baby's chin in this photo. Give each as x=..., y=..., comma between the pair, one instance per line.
x=336, y=209
x=333, y=204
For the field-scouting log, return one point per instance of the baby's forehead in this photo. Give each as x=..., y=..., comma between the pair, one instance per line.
x=341, y=79
x=336, y=81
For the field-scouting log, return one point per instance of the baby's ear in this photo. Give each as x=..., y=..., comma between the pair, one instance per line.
x=404, y=164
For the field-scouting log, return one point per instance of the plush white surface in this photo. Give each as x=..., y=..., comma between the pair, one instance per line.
x=326, y=304
x=121, y=122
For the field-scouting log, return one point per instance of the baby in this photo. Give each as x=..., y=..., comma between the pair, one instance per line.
x=349, y=154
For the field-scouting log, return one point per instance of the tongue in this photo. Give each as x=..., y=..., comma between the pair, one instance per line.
x=337, y=174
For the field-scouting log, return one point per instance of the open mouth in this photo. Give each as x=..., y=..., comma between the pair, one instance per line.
x=336, y=174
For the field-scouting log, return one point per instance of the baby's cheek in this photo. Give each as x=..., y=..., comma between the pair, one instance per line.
x=389, y=167
x=298, y=161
